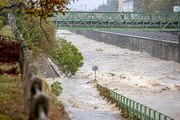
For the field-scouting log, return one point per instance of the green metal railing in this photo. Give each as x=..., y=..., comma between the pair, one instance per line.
x=118, y=20
x=131, y=109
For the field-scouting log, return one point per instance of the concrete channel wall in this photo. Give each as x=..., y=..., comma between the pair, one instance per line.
x=165, y=50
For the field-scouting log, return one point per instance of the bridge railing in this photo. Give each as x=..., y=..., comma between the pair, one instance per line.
x=130, y=108
x=110, y=20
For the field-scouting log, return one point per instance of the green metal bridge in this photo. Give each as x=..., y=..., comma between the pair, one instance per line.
x=118, y=20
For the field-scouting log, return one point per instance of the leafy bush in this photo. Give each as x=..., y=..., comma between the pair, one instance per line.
x=36, y=37
x=20, y=21
x=7, y=31
x=2, y=21
x=1, y=24
x=68, y=56
x=34, y=34
x=56, y=88
x=9, y=51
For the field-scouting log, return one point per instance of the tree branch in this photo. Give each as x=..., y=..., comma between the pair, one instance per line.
x=10, y=7
x=46, y=35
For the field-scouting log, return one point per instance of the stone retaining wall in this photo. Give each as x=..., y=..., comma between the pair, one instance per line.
x=165, y=50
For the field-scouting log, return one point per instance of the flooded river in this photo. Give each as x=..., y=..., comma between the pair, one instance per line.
x=139, y=76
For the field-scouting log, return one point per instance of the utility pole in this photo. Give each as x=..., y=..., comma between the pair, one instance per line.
x=85, y=7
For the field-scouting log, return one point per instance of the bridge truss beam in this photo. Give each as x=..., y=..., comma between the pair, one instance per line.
x=118, y=20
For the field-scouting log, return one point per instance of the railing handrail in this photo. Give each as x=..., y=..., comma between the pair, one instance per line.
x=131, y=108
x=161, y=12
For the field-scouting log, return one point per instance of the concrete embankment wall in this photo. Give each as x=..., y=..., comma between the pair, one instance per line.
x=161, y=49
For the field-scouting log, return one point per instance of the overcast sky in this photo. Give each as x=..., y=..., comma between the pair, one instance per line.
x=90, y=4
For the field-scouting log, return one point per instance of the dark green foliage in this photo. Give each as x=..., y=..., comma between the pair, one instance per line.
x=56, y=88
x=20, y=21
x=1, y=24
x=34, y=35
x=68, y=57
x=2, y=21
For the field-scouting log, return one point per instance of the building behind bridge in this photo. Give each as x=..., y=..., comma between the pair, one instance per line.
x=140, y=5
x=129, y=5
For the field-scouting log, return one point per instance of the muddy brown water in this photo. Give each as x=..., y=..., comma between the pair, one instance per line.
x=139, y=76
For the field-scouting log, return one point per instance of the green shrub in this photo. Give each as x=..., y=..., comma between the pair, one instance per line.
x=68, y=57
x=20, y=21
x=56, y=88
x=35, y=36
x=5, y=117
x=1, y=25
x=3, y=20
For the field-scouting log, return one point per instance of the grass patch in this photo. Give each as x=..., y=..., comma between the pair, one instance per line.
x=9, y=68
x=11, y=97
x=4, y=66
x=6, y=31
x=56, y=111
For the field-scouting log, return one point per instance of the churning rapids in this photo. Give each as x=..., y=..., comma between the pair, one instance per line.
x=139, y=76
